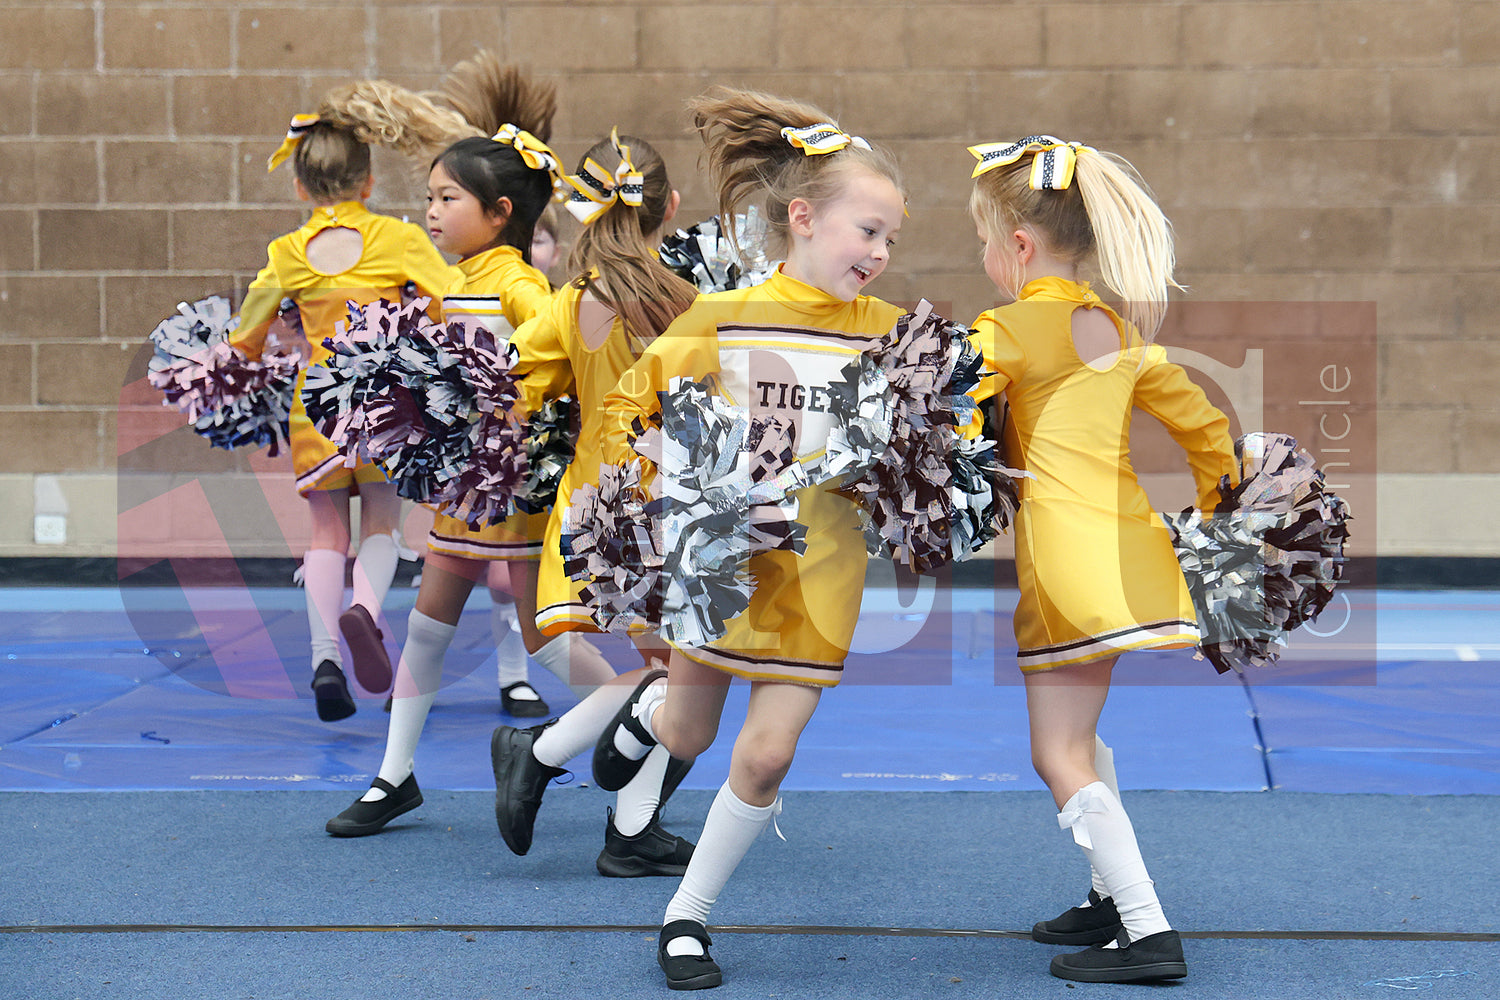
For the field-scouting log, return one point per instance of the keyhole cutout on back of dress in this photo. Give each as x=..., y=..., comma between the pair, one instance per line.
x=335, y=250
x=595, y=320
x=1096, y=339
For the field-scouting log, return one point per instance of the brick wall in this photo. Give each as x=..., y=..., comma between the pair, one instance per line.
x=1308, y=152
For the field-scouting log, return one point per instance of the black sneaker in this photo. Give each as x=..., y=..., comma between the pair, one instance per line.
x=522, y=708
x=687, y=972
x=612, y=769
x=1097, y=923
x=1154, y=957
x=520, y=780
x=364, y=818
x=653, y=851
x=331, y=692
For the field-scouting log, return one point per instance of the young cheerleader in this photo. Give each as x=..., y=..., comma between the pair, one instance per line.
x=517, y=697
x=484, y=197
x=343, y=253
x=834, y=205
x=1072, y=369
x=593, y=331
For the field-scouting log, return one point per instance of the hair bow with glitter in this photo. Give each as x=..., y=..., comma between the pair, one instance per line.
x=824, y=137
x=595, y=188
x=294, y=133
x=1051, y=165
x=535, y=153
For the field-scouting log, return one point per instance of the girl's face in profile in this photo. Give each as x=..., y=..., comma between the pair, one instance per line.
x=543, y=249
x=456, y=221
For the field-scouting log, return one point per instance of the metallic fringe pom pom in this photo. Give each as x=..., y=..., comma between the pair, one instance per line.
x=233, y=402
x=1268, y=559
x=703, y=256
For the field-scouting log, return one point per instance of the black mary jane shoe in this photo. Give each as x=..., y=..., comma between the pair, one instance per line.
x=1097, y=923
x=513, y=702
x=612, y=769
x=364, y=818
x=331, y=692
x=1153, y=958
x=372, y=664
x=653, y=851
x=688, y=972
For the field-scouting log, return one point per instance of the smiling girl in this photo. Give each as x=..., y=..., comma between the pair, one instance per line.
x=834, y=205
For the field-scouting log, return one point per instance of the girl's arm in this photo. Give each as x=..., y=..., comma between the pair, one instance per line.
x=1004, y=359
x=542, y=363
x=424, y=267
x=1202, y=430
x=689, y=348
x=527, y=293
x=257, y=312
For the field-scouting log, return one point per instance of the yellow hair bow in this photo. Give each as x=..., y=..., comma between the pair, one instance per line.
x=294, y=133
x=825, y=137
x=1051, y=165
x=595, y=189
x=534, y=152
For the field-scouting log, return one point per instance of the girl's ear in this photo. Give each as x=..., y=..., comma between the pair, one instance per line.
x=671, y=211
x=1025, y=245
x=499, y=212
x=367, y=187
x=799, y=217
x=297, y=186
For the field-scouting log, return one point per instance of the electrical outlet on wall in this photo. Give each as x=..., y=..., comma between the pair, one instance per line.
x=51, y=529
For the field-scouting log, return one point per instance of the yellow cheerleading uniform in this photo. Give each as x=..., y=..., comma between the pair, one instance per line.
x=774, y=348
x=1095, y=563
x=501, y=291
x=394, y=253
x=555, y=361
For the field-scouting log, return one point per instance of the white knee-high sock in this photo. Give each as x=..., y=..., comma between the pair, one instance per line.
x=323, y=582
x=576, y=662
x=418, y=675
x=580, y=726
x=510, y=650
x=730, y=829
x=636, y=803
x=1104, y=766
x=1102, y=829
x=374, y=568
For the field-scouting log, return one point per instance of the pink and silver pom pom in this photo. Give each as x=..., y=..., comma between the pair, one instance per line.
x=233, y=402
x=1269, y=558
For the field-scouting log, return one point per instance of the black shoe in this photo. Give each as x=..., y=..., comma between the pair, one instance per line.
x=1097, y=923
x=372, y=664
x=612, y=769
x=331, y=692
x=365, y=818
x=688, y=972
x=1154, y=957
x=653, y=851
x=522, y=708
x=520, y=780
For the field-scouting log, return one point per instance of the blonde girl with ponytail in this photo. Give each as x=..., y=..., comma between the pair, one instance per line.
x=1098, y=574
x=833, y=205
x=620, y=300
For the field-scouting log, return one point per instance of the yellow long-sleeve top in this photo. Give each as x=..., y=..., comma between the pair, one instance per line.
x=555, y=360
x=1095, y=563
x=502, y=292
x=773, y=348
x=393, y=253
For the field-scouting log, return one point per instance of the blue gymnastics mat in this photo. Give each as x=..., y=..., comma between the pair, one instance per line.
x=168, y=688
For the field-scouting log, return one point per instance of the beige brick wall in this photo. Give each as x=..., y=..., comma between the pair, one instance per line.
x=1336, y=151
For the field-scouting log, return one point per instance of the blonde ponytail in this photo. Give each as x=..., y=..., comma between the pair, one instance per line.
x=379, y=113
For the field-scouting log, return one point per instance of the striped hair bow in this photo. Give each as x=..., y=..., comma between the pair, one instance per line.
x=825, y=137
x=1051, y=165
x=535, y=153
x=294, y=133
x=595, y=188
